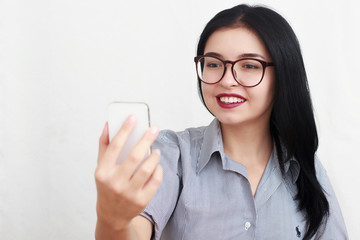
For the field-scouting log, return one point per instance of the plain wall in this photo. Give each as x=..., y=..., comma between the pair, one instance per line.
x=63, y=61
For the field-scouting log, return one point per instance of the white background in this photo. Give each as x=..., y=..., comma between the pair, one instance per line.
x=62, y=62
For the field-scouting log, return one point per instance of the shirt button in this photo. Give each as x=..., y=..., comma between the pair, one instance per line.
x=247, y=225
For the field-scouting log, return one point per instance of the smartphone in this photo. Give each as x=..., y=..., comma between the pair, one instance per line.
x=118, y=113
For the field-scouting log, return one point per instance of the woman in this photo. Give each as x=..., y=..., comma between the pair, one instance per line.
x=252, y=173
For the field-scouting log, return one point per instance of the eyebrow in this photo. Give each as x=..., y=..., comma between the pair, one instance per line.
x=244, y=55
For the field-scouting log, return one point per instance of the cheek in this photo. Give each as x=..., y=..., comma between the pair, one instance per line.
x=206, y=91
x=208, y=95
x=263, y=95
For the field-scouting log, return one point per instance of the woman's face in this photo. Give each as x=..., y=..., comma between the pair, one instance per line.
x=252, y=105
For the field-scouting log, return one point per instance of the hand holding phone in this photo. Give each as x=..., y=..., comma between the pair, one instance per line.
x=124, y=190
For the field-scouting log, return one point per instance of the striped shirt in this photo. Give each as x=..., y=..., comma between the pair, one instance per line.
x=206, y=195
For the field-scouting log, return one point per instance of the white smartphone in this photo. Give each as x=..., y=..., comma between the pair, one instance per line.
x=117, y=114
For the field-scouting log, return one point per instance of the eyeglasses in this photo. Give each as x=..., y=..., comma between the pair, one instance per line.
x=248, y=72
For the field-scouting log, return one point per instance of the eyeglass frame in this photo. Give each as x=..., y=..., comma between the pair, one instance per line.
x=225, y=62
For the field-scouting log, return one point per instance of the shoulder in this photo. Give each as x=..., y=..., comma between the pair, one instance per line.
x=178, y=147
x=321, y=174
x=335, y=225
x=318, y=166
x=324, y=180
x=177, y=138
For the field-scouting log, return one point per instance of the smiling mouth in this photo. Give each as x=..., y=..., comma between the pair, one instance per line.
x=230, y=100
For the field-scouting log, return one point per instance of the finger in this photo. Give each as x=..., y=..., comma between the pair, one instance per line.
x=145, y=171
x=103, y=141
x=117, y=143
x=153, y=184
x=138, y=153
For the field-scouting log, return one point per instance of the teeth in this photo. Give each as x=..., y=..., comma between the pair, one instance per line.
x=231, y=100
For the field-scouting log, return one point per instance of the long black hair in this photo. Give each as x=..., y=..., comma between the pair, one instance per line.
x=292, y=122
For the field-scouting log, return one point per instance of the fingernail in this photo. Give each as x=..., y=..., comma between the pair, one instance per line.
x=157, y=151
x=105, y=128
x=131, y=119
x=154, y=130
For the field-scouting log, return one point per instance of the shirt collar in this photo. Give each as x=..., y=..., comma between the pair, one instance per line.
x=212, y=142
x=291, y=167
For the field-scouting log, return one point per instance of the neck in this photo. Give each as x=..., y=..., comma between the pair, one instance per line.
x=249, y=144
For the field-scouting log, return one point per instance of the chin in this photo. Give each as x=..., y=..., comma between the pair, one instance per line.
x=230, y=120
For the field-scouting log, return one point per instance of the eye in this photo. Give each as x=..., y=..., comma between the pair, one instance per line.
x=250, y=66
x=213, y=65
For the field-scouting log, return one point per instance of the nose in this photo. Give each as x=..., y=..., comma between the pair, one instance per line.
x=228, y=79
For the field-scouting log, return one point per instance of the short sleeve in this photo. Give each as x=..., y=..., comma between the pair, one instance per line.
x=161, y=207
x=335, y=227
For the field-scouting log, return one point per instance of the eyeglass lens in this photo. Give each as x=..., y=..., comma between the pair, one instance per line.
x=247, y=72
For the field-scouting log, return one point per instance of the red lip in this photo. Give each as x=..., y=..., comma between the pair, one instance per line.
x=229, y=105
x=230, y=95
